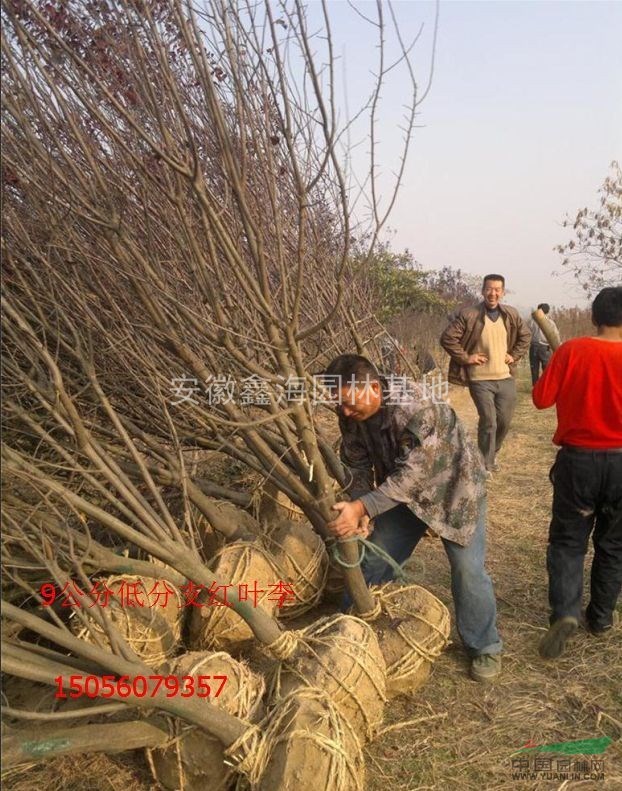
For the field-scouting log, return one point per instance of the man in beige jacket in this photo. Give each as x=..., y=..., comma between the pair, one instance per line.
x=485, y=343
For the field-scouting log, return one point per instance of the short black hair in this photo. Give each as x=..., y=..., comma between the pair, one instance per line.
x=544, y=307
x=494, y=277
x=607, y=307
x=352, y=365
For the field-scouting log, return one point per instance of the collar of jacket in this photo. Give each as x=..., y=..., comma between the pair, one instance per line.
x=502, y=309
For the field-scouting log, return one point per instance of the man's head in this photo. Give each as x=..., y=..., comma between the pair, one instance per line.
x=357, y=382
x=493, y=290
x=544, y=307
x=607, y=307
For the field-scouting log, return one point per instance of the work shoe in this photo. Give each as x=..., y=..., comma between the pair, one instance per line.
x=597, y=631
x=554, y=641
x=486, y=667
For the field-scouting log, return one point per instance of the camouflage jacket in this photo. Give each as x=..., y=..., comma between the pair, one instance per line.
x=416, y=451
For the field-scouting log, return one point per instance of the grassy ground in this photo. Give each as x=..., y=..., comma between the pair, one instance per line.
x=474, y=730
x=469, y=733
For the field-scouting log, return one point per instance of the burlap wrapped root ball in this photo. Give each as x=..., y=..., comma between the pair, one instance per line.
x=300, y=554
x=412, y=631
x=340, y=655
x=305, y=744
x=218, y=627
x=153, y=630
x=274, y=505
x=210, y=539
x=194, y=760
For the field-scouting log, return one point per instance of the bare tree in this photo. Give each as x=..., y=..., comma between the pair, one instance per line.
x=594, y=255
x=175, y=209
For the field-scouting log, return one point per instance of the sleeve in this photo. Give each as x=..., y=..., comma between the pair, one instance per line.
x=546, y=389
x=522, y=341
x=533, y=328
x=418, y=450
x=451, y=340
x=359, y=466
x=377, y=503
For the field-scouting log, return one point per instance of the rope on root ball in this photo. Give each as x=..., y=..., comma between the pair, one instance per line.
x=242, y=698
x=285, y=645
x=318, y=639
x=307, y=576
x=252, y=752
x=436, y=640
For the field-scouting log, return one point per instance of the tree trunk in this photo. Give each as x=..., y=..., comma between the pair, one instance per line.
x=41, y=742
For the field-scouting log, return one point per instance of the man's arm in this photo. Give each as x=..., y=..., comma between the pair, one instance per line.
x=522, y=341
x=451, y=339
x=351, y=516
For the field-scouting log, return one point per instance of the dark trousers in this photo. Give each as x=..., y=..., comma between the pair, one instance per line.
x=539, y=356
x=495, y=401
x=587, y=499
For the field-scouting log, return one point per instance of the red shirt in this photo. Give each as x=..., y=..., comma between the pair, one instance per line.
x=584, y=380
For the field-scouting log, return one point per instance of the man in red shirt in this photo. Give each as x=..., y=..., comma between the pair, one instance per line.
x=584, y=381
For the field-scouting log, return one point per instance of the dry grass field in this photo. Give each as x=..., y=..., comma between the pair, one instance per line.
x=468, y=734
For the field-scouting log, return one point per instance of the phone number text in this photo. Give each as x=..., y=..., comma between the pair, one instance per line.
x=139, y=686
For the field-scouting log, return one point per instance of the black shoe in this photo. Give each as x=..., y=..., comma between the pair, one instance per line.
x=554, y=641
x=600, y=630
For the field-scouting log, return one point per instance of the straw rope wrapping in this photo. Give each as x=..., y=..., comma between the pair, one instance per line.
x=413, y=605
x=220, y=627
x=301, y=555
x=193, y=759
x=339, y=654
x=285, y=646
x=304, y=733
x=153, y=631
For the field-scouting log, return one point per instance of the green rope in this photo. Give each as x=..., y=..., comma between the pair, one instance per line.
x=368, y=546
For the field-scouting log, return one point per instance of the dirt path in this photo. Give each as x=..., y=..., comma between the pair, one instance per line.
x=477, y=729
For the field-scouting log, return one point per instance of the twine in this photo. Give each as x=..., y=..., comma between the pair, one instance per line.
x=368, y=546
x=253, y=751
x=219, y=624
x=153, y=639
x=285, y=645
x=429, y=649
x=246, y=752
x=317, y=643
x=244, y=704
x=308, y=582
x=374, y=613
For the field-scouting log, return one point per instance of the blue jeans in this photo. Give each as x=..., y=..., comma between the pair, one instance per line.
x=398, y=532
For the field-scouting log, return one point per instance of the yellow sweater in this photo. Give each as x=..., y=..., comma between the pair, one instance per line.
x=494, y=344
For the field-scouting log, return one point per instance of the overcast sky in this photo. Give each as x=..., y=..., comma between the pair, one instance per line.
x=521, y=123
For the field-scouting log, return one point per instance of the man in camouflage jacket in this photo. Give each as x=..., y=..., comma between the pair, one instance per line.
x=412, y=467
